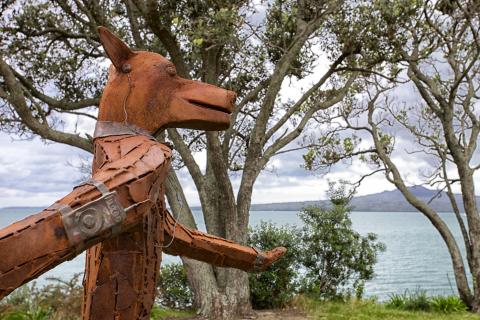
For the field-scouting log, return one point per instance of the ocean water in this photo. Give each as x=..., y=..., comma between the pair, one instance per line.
x=415, y=256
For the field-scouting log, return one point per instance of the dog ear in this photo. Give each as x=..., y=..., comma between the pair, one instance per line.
x=116, y=49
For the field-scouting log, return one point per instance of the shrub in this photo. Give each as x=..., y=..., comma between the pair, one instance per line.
x=418, y=300
x=448, y=304
x=396, y=301
x=57, y=300
x=337, y=259
x=173, y=288
x=275, y=287
x=38, y=314
x=326, y=259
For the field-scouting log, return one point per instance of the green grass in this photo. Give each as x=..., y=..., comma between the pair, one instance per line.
x=161, y=313
x=371, y=310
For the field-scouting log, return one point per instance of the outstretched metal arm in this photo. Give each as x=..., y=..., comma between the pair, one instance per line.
x=194, y=244
x=34, y=245
x=86, y=216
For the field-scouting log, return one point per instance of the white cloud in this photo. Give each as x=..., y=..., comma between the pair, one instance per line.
x=35, y=174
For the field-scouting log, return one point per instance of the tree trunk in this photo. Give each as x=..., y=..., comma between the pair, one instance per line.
x=211, y=301
x=462, y=159
x=470, y=205
x=219, y=293
x=394, y=176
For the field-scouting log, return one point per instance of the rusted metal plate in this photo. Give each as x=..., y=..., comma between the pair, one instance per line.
x=93, y=218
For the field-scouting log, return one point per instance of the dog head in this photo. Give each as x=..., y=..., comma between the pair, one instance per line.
x=144, y=89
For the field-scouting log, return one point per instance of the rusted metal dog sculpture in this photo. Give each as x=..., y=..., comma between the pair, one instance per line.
x=119, y=215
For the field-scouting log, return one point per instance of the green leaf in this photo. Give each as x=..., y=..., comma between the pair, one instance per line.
x=198, y=42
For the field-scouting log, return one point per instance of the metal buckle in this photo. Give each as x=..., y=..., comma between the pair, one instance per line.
x=93, y=218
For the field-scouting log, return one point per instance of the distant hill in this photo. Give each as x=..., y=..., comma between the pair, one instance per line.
x=388, y=201
x=24, y=209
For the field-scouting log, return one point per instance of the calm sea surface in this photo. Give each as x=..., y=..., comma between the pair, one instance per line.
x=416, y=256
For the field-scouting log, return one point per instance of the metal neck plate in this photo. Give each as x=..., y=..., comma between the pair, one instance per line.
x=111, y=128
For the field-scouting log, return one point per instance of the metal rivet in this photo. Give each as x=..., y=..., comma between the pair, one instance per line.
x=171, y=70
x=89, y=221
x=126, y=68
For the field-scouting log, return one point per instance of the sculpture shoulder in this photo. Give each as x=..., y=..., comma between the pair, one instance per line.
x=134, y=166
x=135, y=153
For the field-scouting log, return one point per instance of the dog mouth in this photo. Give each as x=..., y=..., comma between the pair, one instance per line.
x=209, y=106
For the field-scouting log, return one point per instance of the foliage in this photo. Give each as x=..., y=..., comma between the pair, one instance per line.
x=159, y=313
x=372, y=310
x=326, y=259
x=337, y=259
x=36, y=314
x=275, y=287
x=56, y=300
x=447, y=304
x=173, y=288
x=61, y=300
x=418, y=300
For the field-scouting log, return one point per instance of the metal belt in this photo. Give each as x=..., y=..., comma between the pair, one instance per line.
x=93, y=218
x=259, y=260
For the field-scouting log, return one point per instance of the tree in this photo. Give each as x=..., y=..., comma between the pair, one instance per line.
x=52, y=72
x=442, y=126
x=277, y=286
x=338, y=260
x=326, y=258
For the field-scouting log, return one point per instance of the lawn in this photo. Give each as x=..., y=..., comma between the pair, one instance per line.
x=369, y=310
x=354, y=310
x=161, y=313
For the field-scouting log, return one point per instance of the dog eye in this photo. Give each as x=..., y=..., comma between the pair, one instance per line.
x=171, y=70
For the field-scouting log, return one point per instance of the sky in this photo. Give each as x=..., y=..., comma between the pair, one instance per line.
x=35, y=173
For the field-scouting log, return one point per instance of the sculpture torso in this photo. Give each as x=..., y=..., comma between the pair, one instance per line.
x=121, y=272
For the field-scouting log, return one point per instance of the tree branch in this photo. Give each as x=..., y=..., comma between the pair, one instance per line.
x=17, y=99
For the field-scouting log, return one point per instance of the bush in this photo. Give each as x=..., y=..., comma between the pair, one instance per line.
x=338, y=260
x=173, y=288
x=396, y=301
x=38, y=314
x=415, y=301
x=62, y=300
x=448, y=304
x=57, y=300
x=419, y=301
x=275, y=287
x=326, y=259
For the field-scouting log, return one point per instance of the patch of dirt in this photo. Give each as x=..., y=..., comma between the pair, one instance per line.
x=281, y=314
